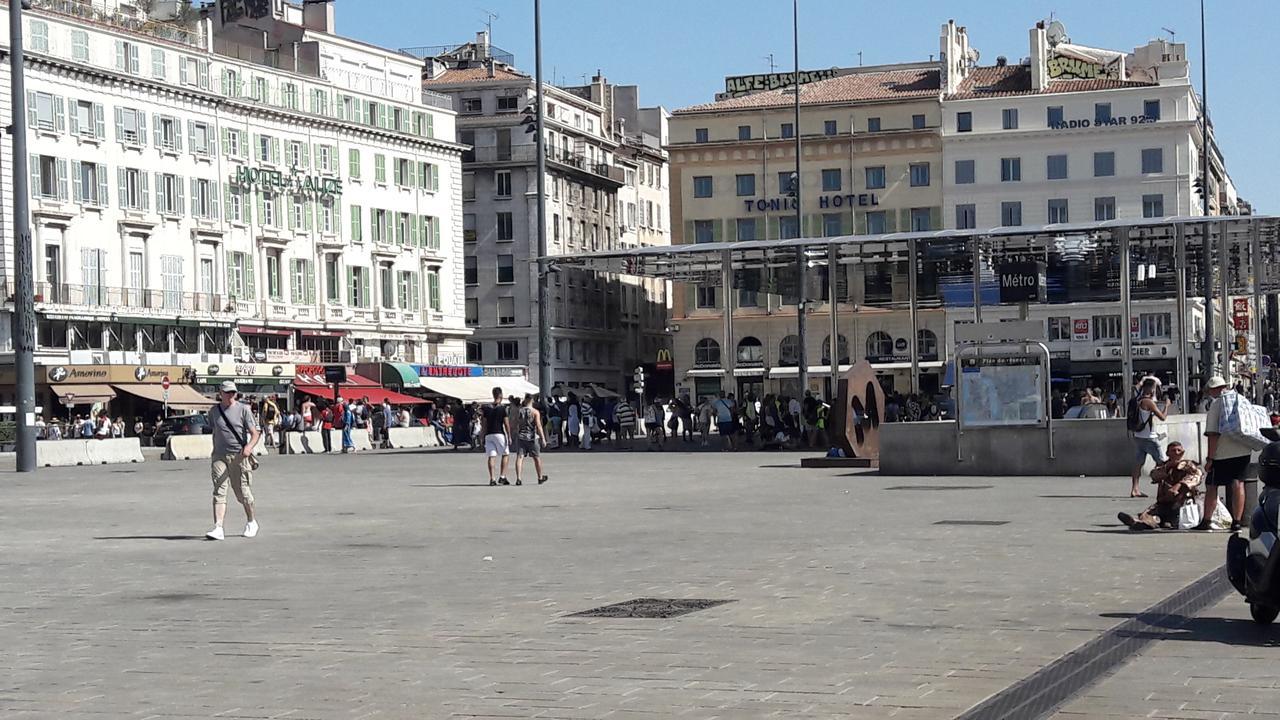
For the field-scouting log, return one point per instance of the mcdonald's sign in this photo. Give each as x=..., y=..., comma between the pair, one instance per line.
x=664, y=360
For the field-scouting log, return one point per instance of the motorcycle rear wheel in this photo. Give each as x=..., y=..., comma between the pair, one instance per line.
x=1262, y=614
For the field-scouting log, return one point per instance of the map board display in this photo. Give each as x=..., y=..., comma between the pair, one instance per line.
x=1002, y=391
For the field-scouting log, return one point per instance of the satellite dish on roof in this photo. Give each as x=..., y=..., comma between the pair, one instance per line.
x=1056, y=33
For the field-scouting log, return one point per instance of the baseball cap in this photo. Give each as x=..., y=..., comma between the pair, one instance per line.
x=227, y=386
x=1216, y=382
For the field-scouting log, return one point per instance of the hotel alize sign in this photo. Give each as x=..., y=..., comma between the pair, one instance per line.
x=294, y=182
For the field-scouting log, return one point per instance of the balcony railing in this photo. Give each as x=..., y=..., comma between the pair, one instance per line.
x=437, y=100
x=131, y=298
x=86, y=10
x=529, y=153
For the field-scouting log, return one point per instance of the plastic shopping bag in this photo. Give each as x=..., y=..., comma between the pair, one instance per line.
x=1189, y=515
x=1241, y=420
x=1221, y=519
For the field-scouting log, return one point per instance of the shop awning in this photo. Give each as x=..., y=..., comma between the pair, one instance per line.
x=84, y=394
x=478, y=388
x=705, y=372
x=183, y=397
x=255, y=330
x=373, y=393
x=790, y=372
x=400, y=374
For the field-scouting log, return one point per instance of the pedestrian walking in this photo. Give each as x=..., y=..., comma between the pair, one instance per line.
x=309, y=417
x=530, y=438
x=235, y=433
x=625, y=419
x=705, y=413
x=574, y=420
x=326, y=424
x=1227, y=463
x=348, y=423
x=497, y=430
x=1141, y=420
x=725, y=423
x=653, y=423
x=270, y=419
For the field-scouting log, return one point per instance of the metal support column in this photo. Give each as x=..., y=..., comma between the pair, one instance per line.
x=544, y=299
x=24, y=315
x=1224, y=287
x=914, y=348
x=977, y=280
x=1126, y=306
x=833, y=268
x=801, y=261
x=728, y=349
x=1180, y=277
x=1255, y=243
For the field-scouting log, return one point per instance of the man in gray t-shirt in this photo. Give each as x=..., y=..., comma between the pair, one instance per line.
x=235, y=434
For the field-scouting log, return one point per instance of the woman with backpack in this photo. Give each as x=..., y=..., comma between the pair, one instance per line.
x=1141, y=421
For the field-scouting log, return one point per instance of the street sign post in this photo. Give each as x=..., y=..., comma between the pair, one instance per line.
x=164, y=385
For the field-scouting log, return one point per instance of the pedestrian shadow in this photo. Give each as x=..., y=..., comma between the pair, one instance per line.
x=1122, y=530
x=150, y=537
x=1239, y=632
x=449, y=485
x=1085, y=497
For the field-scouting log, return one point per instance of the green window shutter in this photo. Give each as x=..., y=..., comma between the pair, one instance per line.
x=364, y=287
x=250, y=285
x=904, y=223
x=415, y=231
x=935, y=218
x=717, y=230
x=435, y=233
x=308, y=212
x=261, y=215
x=351, y=287
x=311, y=282
x=690, y=236
x=433, y=290
x=231, y=286
x=356, y=223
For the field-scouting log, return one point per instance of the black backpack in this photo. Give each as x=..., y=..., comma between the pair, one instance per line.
x=1131, y=418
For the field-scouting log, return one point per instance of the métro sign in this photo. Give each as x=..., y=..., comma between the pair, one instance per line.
x=1022, y=282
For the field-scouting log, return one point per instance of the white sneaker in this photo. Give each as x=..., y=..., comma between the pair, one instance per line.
x=215, y=533
x=251, y=528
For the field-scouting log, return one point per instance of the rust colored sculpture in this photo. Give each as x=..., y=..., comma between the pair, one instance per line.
x=862, y=409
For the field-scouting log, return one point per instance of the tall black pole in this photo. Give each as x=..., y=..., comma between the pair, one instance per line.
x=802, y=290
x=24, y=314
x=544, y=304
x=1206, y=247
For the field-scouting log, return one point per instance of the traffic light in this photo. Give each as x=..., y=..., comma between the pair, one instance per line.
x=530, y=119
x=638, y=376
x=1198, y=185
x=793, y=181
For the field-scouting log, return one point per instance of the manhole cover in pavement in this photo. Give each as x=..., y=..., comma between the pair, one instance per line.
x=972, y=522
x=651, y=608
x=939, y=487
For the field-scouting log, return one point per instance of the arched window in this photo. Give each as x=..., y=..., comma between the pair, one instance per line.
x=706, y=353
x=927, y=345
x=842, y=350
x=789, y=351
x=750, y=351
x=879, y=344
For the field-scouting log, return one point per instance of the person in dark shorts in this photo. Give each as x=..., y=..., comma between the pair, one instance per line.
x=1227, y=463
x=530, y=436
x=497, y=428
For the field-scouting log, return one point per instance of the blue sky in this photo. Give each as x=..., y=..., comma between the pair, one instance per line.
x=678, y=52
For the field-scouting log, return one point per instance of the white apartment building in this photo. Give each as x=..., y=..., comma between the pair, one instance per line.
x=599, y=181
x=195, y=198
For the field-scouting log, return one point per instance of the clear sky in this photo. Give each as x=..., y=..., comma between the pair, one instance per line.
x=678, y=51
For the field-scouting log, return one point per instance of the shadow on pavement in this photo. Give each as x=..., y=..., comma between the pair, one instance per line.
x=1227, y=631
x=151, y=537
x=444, y=485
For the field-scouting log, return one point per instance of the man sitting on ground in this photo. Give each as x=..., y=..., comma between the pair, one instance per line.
x=1177, y=480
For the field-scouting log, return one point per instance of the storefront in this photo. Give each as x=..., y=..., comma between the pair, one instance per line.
x=474, y=383
x=122, y=390
x=310, y=380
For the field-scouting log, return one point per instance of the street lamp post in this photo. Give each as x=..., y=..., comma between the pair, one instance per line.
x=24, y=323
x=802, y=289
x=544, y=319
x=1206, y=246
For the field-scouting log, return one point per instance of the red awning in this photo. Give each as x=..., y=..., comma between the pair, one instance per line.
x=323, y=333
x=351, y=391
x=254, y=330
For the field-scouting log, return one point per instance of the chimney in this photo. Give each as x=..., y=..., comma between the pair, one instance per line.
x=318, y=15
x=488, y=65
x=1001, y=61
x=1039, y=58
x=482, y=44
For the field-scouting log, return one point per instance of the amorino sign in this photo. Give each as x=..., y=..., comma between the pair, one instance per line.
x=294, y=182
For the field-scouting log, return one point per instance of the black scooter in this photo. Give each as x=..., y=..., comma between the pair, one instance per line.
x=1253, y=563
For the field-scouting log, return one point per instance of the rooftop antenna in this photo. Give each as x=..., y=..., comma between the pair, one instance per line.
x=859, y=58
x=772, y=66
x=489, y=17
x=1173, y=34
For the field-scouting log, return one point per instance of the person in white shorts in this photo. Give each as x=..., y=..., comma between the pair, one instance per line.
x=497, y=430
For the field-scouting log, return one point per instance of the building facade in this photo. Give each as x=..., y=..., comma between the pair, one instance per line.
x=598, y=169
x=871, y=157
x=198, y=200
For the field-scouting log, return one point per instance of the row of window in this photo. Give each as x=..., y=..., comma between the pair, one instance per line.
x=506, y=270
x=1057, y=166
x=750, y=351
x=131, y=337
x=401, y=289
x=1055, y=117
x=507, y=351
x=832, y=180
x=505, y=310
x=1148, y=326
x=1057, y=211
x=788, y=130
x=876, y=222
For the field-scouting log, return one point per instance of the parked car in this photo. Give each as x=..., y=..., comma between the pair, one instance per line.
x=196, y=424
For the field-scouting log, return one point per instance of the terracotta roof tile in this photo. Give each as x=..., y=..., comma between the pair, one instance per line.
x=473, y=74
x=1008, y=80
x=902, y=84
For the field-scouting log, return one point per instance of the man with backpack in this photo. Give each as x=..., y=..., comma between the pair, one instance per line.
x=1140, y=420
x=529, y=432
x=1228, y=459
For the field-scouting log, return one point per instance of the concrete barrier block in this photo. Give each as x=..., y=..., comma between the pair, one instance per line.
x=302, y=443
x=62, y=453
x=114, y=451
x=188, y=447
x=410, y=437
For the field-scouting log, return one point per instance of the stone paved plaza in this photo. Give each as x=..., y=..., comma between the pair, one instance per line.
x=399, y=585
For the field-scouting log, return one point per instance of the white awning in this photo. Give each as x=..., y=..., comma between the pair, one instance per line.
x=748, y=372
x=478, y=389
x=790, y=372
x=704, y=372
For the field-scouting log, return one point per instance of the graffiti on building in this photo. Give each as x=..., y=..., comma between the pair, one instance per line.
x=1067, y=67
x=737, y=85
